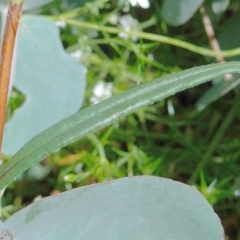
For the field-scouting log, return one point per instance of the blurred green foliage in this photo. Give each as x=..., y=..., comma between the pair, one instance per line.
x=168, y=139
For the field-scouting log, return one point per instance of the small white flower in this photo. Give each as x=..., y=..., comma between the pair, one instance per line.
x=76, y=54
x=128, y=23
x=237, y=192
x=101, y=91
x=113, y=18
x=141, y=3
x=150, y=57
x=171, y=110
x=61, y=24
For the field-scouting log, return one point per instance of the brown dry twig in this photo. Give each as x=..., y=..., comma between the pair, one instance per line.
x=9, y=37
x=212, y=38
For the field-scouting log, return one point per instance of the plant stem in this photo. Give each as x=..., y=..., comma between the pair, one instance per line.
x=13, y=18
x=152, y=37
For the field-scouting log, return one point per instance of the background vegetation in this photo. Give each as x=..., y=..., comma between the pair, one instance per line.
x=171, y=138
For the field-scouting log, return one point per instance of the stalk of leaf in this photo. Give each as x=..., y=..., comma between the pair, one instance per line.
x=13, y=17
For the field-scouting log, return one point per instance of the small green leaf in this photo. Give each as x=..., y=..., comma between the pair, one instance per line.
x=219, y=6
x=128, y=208
x=100, y=115
x=178, y=12
x=216, y=91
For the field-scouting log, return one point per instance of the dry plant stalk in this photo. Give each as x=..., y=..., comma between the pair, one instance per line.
x=212, y=38
x=13, y=18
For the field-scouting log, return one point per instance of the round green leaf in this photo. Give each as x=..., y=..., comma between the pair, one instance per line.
x=178, y=12
x=219, y=6
x=129, y=208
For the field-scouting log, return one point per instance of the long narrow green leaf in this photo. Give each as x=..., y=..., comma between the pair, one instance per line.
x=100, y=115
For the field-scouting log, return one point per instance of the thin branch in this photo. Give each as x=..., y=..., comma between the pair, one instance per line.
x=13, y=17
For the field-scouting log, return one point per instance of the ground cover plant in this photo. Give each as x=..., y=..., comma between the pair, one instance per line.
x=192, y=137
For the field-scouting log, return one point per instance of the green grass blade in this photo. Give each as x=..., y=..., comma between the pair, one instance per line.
x=100, y=115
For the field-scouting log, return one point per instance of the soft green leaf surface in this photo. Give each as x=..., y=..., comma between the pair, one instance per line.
x=52, y=82
x=29, y=4
x=216, y=91
x=129, y=208
x=5, y=233
x=177, y=12
x=34, y=4
x=219, y=6
x=100, y=115
x=229, y=37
